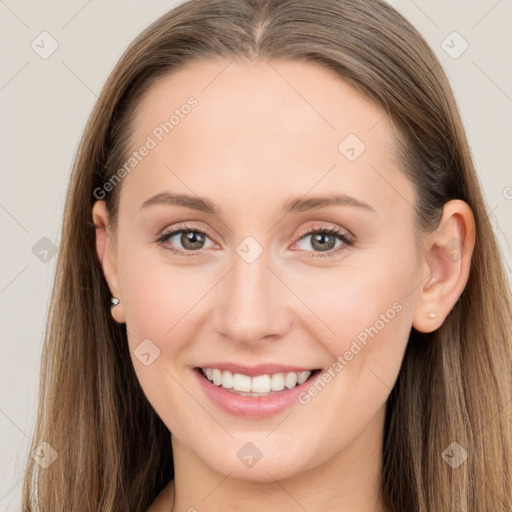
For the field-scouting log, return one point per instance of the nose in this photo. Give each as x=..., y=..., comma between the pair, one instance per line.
x=252, y=304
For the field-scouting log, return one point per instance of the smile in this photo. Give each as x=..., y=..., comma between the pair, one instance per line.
x=265, y=392
x=259, y=385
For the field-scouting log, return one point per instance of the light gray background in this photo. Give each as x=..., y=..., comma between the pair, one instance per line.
x=45, y=104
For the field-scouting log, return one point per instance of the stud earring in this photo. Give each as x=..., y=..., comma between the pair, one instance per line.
x=114, y=302
x=431, y=315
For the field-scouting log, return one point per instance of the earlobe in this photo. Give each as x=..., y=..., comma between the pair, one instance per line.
x=447, y=262
x=106, y=255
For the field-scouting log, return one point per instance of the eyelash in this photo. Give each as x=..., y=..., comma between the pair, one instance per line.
x=347, y=241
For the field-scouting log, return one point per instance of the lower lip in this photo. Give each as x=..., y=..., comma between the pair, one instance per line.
x=252, y=406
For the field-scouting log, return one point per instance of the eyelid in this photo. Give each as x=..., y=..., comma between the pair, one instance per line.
x=342, y=234
x=185, y=226
x=175, y=229
x=320, y=227
x=345, y=236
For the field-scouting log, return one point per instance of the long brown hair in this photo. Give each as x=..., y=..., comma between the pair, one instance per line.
x=455, y=384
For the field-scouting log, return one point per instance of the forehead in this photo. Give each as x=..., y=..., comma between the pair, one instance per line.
x=260, y=96
x=253, y=124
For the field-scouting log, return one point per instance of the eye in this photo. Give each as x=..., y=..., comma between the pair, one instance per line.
x=190, y=239
x=323, y=240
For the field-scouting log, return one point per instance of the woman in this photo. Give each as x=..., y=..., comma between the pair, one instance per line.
x=278, y=287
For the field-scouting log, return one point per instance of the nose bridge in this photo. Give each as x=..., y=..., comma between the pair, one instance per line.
x=251, y=306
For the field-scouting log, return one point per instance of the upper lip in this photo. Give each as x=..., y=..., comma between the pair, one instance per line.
x=260, y=369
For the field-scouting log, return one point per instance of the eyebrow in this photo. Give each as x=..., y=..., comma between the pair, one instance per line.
x=299, y=204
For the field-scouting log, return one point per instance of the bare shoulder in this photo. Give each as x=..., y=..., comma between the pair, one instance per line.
x=163, y=501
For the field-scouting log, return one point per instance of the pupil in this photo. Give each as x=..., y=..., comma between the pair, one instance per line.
x=323, y=245
x=193, y=238
x=321, y=241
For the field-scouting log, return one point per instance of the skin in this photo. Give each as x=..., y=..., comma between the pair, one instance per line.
x=263, y=133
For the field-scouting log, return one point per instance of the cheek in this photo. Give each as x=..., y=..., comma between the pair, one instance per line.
x=371, y=317
x=157, y=298
x=157, y=295
x=363, y=317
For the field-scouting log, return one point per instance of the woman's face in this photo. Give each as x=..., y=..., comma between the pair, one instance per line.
x=265, y=145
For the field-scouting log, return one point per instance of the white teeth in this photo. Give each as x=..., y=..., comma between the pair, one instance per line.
x=277, y=382
x=227, y=380
x=260, y=384
x=303, y=377
x=290, y=381
x=241, y=382
x=217, y=377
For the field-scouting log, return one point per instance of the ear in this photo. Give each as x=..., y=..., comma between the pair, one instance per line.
x=447, y=261
x=105, y=249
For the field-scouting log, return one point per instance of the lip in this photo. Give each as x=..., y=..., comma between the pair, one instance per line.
x=253, y=371
x=254, y=407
